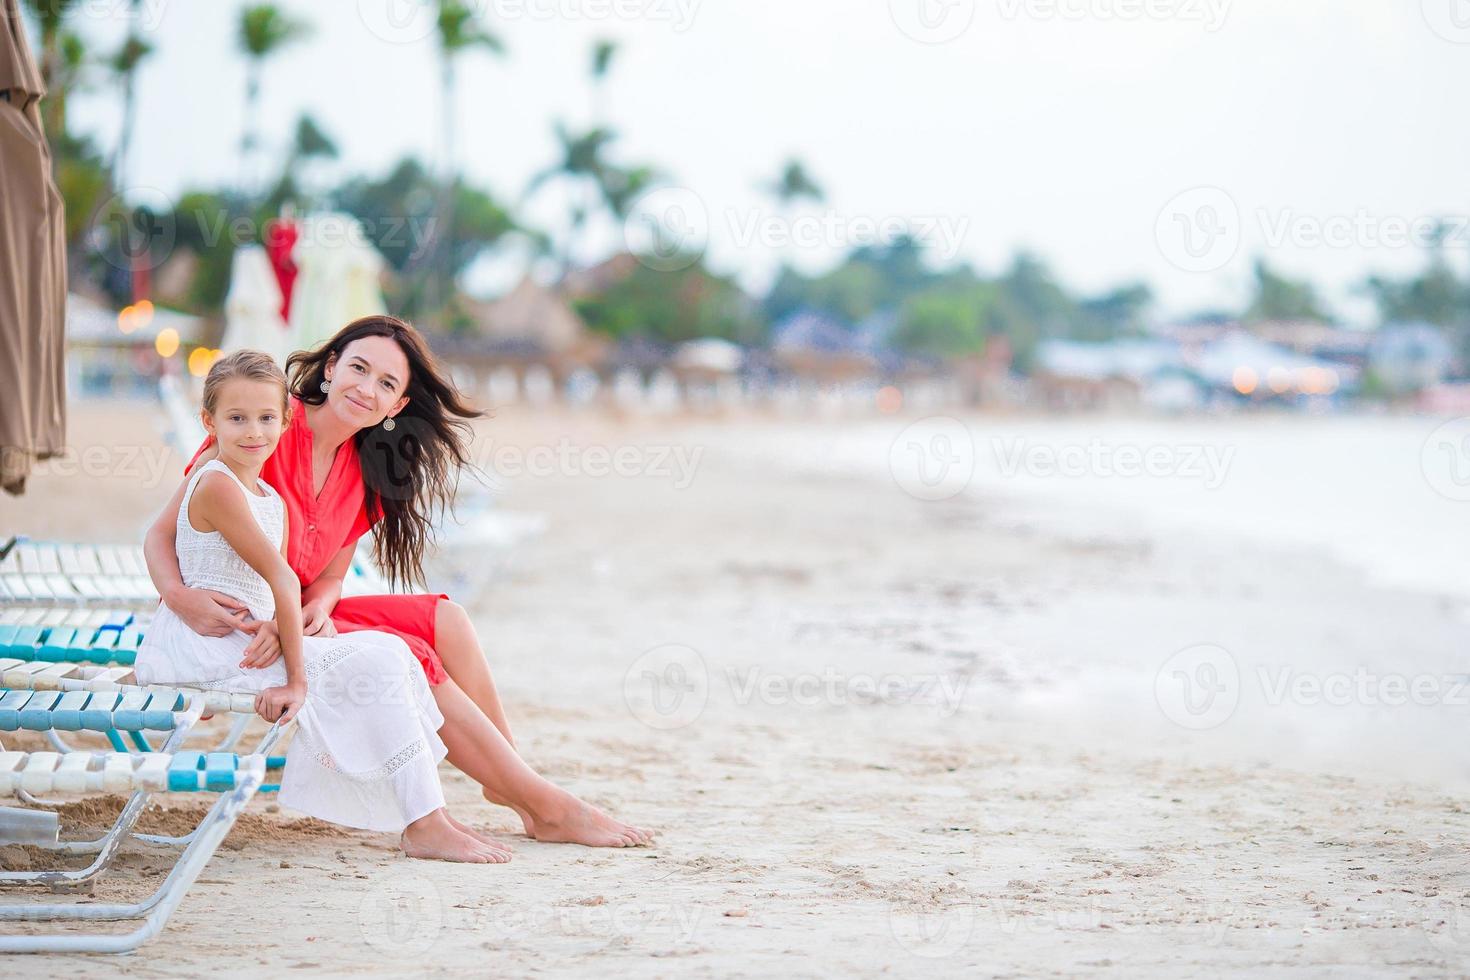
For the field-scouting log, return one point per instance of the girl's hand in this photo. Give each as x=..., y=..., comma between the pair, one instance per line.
x=265, y=648
x=280, y=703
x=316, y=620
x=206, y=612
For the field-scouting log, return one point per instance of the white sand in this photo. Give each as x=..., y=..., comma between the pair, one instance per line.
x=1015, y=803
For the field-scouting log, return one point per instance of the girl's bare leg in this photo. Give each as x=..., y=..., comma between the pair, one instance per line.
x=549, y=813
x=458, y=646
x=436, y=838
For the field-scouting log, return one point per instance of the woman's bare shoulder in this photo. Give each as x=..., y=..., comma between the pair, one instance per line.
x=204, y=456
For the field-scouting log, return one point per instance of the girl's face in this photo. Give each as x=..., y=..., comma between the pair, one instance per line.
x=247, y=420
x=369, y=381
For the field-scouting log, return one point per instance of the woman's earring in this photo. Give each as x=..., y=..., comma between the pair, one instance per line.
x=389, y=425
x=326, y=386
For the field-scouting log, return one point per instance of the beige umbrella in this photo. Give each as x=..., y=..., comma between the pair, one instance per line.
x=32, y=269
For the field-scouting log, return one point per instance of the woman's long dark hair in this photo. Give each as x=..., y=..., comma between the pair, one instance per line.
x=411, y=473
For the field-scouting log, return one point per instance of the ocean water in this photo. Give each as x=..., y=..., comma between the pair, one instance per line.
x=1389, y=495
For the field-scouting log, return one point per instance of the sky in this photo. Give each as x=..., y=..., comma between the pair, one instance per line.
x=1167, y=141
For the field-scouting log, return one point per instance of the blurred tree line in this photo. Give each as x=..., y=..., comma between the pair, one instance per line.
x=432, y=224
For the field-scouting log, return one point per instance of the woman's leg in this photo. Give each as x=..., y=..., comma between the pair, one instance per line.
x=459, y=648
x=481, y=751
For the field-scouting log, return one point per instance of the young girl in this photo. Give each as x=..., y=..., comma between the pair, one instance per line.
x=366, y=749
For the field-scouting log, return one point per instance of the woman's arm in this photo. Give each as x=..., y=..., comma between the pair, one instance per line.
x=221, y=505
x=203, y=611
x=321, y=596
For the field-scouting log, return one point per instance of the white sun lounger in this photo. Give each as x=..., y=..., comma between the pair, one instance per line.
x=235, y=778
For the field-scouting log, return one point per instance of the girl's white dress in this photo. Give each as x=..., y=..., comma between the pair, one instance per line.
x=366, y=749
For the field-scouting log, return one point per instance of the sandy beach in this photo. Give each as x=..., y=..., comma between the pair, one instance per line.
x=878, y=735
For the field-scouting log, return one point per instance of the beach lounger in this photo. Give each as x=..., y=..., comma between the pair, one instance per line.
x=52, y=573
x=39, y=644
x=47, y=675
x=235, y=778
x=60, y=573
x=134, y=710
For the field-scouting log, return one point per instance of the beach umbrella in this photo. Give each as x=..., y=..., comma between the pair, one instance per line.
x=338, y=278
x=253, y=306
x=32, y=269
x=710, y=354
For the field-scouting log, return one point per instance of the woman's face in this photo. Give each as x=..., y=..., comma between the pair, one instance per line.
x=369, y=381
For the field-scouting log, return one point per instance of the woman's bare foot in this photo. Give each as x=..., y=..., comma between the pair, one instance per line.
x=480, y=836
x=572, y=821
x=527, y=821
x=434, y=838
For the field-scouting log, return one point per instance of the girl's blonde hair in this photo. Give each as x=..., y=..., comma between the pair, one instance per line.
x=250, y=364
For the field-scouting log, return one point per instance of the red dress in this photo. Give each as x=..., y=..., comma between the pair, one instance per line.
x=319, y=527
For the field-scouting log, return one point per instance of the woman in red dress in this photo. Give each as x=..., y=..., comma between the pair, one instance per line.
x=376, y=437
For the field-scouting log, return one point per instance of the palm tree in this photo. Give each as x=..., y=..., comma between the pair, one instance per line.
x=602, y=57
x=794, y=184
x=124, y=64
x=459, y=31
x=264, y=31
x=310, y=142
x=51, y=17
x=582, y=162
x=583, y=165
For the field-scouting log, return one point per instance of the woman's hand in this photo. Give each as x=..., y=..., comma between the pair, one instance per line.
x=206, y=612
x=264, y=648
x=316, y=620
x=281, y=703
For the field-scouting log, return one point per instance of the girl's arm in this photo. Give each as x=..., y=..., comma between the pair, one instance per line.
x=205, y=612
x=264, y=647
x=221, y=506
